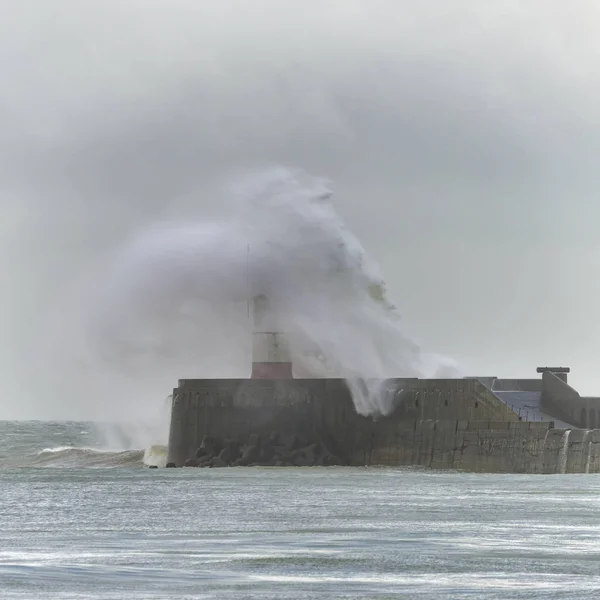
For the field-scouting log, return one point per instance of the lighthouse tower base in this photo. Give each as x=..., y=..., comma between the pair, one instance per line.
x=271, y=357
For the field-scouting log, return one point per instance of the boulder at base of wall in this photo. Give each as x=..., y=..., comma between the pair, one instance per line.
x=210, y=446
x=276, y=450
x=305, y=457
x=292, y=442
x=250, y=455
x=230, y=452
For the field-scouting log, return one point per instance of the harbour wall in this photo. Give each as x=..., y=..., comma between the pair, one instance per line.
x=490, y=447
x=561, y=400
x=440, y=424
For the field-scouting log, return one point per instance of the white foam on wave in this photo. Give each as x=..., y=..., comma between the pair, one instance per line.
x=89, y=449
x=61, y=449
x=96, y=457
x=79, y=457
x=156, y=456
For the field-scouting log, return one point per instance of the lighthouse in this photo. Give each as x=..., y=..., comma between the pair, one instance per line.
x=271, y=357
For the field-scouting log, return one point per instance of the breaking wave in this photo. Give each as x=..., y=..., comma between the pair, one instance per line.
x=74, y=445
x=86, y=457
x=172, y=302
x=71, y=457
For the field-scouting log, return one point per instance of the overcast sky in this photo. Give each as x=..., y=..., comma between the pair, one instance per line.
x=461, y=139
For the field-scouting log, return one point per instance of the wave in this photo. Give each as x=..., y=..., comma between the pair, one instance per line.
x=173, y=301
x=81, y=457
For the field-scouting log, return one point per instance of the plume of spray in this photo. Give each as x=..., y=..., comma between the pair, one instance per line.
x=173, y=303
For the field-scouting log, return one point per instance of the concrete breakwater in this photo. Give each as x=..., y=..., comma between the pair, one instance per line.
x=313, y=422
x=522, y=447
x=318, y=410
x=496, y=447
x=276, y=450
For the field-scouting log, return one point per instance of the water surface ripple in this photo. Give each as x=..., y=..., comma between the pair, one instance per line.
x=132, y=533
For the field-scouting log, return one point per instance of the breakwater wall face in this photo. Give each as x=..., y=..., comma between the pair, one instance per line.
x=491, y=447
x=440, y=424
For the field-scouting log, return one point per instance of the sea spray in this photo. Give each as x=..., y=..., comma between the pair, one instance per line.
x=149, y=432
x=588, y=451
x=542, y=453
x=563, y=453
x=173, y=302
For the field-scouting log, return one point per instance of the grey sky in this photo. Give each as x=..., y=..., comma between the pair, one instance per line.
x=461, y=138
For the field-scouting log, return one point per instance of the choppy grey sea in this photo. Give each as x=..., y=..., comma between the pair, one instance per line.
x=78, y=521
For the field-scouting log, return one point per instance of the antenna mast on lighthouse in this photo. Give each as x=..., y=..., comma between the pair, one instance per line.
x=248, y=279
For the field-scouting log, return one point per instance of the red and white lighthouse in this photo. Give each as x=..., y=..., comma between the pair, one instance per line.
x=271, y=358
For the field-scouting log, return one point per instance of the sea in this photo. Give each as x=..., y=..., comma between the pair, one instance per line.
x=79, y=520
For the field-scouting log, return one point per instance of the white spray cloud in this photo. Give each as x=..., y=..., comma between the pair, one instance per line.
x=172, y=303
